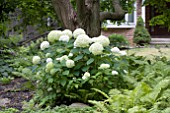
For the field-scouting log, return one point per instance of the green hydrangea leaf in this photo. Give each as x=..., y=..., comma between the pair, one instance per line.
x=90, y=61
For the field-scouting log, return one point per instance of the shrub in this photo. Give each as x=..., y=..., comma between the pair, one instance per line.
x=118, y=40
x=141, y=35
x=73, y=70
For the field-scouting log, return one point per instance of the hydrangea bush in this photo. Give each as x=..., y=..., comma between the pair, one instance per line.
x=72, y=68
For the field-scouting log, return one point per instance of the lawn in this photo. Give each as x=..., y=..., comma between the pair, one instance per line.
x=150, y=52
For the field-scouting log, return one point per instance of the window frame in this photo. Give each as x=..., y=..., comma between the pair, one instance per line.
x=126, y=24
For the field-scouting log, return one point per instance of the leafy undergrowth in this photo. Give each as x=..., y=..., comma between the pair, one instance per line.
x=58, y=109
x=151, y=94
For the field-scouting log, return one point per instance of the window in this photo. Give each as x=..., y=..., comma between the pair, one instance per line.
x=130, y=21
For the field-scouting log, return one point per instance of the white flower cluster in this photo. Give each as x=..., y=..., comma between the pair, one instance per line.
x=82, y=41
x=64, y=38
x=102, y=40
x=70, y=63
x=96, y=48
x=114, y=72
x=117, y=50
x=54, y=35
x=78, y=32
x=86, y=75
x=36, y=60
x=104, y=66
x=68, y=33
x=44, y=45
x=64, y=57
x=70, y=54
x=49, y=60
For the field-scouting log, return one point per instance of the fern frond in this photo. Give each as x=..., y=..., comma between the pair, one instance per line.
x=100, y=106
x=101, y=92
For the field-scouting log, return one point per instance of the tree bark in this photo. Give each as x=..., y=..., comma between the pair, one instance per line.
x=88, y=16
x=117, y=15
x=65, y=13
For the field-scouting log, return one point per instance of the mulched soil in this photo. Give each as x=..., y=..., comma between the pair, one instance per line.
x=15, y=93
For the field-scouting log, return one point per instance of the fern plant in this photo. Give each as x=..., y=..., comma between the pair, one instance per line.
x=151, y=94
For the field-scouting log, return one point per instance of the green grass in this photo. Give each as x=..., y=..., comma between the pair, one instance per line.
x=150, y=52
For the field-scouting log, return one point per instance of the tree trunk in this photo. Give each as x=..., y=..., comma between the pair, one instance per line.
x=65, y=13
x=88, y=14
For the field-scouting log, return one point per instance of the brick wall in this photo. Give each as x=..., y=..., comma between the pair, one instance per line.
x=127, y=32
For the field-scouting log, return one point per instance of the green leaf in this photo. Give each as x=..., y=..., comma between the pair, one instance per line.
x=78, y=66
x=76, y=73
x=66, y=72
x=85, y=68
x=86, y=51
x=50, y=80
x=76, y=86
x=75, y=50
x=90, y=61
x=63, y=82
x=78, y=57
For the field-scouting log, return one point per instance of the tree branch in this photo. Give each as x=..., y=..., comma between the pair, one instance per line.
x=117, y=15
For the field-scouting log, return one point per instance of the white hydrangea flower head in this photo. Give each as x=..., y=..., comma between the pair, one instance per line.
x=49, y=65
x=96, y=48
x=115, y=50
x=94, y=39
x=47, y=54
x=86, y=75
x=103, y=40
x=67, y=32
x=70, y=54
x=36, y=60
x=49, y=60
x=64, y=57
x=54, y=35
x=78, y=32
x=70, y=63
x=82, y=41
x=64, y=38
x=114, y=72
x=122, y=53
x=104, y=66
x=44, y=45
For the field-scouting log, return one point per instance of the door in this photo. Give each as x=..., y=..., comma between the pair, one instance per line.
x=156, y=31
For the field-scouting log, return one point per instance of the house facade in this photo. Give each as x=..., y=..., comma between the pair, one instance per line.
x=127, y=28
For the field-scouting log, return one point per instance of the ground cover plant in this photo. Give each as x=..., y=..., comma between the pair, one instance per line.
x=151, y=94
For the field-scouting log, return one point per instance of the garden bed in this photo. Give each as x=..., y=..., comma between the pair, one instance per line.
x=13, y=94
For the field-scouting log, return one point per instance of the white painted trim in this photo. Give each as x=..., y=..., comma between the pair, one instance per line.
x=120, y=26
x=143, y=13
